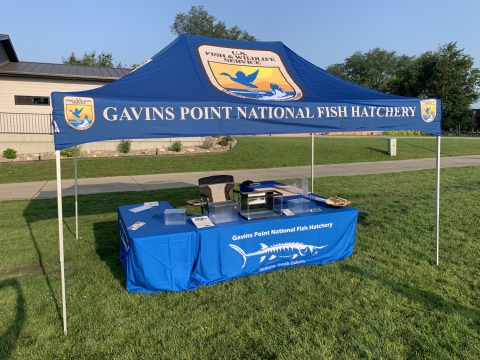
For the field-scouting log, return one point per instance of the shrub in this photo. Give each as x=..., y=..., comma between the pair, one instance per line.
x=228, y=138
x=70, y=152
x=208, y=143
x=406, y=133
x=9, y=153
x=223, y=142
x=176, y=146
x=125, y=146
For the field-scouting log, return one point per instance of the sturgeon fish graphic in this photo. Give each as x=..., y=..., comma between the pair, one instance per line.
x=296, y=247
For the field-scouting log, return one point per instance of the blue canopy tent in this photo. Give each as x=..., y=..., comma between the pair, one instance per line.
x=199, y=86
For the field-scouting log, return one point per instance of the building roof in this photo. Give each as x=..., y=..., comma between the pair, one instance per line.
x=64, y=71
x=8, y=47
x=14, y=67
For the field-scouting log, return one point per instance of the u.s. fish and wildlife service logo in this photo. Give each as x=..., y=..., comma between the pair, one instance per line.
x=429, y=109
x=79, y=112
x=248, y=74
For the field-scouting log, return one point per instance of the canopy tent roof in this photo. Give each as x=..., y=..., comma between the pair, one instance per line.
x=200, y=86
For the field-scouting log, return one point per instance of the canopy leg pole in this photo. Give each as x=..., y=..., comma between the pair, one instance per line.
x=437, y=200
x=313, y=141
x=76, y=197
x=60, y=237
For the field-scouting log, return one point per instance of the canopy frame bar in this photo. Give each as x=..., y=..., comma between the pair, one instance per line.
x=60, y=238
x=437, y=201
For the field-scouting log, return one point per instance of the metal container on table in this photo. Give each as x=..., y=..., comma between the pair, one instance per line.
x=261, y=204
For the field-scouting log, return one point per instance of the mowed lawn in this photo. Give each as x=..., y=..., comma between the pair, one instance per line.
x=387, y=301
x=251, y=152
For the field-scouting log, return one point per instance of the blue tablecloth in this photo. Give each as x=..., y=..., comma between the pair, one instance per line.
x=241, y=248
x=158, y=257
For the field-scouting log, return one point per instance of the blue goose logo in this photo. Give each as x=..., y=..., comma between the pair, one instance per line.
x=243, y=79
x=79, y=112
x=429, y=110
x=248, y=74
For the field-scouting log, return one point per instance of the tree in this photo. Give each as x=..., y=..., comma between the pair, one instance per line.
x=447, y=74
x=92, y=59
x=371, y=69
x=199, y=22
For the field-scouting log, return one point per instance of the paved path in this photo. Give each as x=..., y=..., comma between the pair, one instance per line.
x=48, y=189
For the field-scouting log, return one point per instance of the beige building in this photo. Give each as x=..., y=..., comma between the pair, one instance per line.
x=25, y=104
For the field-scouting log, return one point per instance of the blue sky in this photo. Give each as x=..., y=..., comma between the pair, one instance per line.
x=322, y=32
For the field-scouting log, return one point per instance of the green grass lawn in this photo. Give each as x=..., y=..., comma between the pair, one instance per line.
x=387, y=301
x=251, y=153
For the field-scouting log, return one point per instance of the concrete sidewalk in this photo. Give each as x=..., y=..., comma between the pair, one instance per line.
x=48, y=189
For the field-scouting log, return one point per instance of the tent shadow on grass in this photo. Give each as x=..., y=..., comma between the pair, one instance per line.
x=362, y=218
x=107, y=248
x=406, y=143
x=105, y=232
x=9, y=337
x=44, y=210
x=424, y=298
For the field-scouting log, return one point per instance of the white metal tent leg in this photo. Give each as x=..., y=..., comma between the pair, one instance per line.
x=437, y=200
x=76, y=197
x=313, y=137
x=60, y=237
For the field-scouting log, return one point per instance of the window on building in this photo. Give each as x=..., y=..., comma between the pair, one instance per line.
x=31, y=100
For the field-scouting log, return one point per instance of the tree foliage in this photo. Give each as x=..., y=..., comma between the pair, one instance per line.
x=92, y=59
x=199, y=22
x=370, y=69
x=447, y=74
